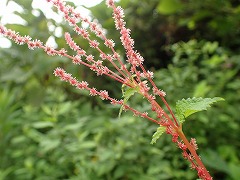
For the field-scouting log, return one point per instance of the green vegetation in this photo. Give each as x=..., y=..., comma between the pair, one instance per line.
x=49, y=130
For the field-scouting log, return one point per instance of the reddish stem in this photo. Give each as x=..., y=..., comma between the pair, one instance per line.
x=194, y=153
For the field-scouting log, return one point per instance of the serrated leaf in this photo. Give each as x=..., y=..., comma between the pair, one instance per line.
x=158, y=133
x=126, y=95
x=187, y=107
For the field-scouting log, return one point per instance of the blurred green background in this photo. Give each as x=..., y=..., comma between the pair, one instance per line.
x=49, y=130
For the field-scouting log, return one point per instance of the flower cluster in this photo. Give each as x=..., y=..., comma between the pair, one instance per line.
x=135, y=76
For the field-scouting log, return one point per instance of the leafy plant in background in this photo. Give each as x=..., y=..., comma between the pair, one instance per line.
x=135, y=79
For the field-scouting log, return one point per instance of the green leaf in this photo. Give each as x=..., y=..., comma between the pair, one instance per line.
x=158, y=133
x=187, y=107
x=126, y=95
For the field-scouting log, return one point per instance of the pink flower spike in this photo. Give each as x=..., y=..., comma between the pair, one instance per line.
x=110, y=3
x=100, y=32
x=185, y=155
x=174, y=137
x=72, y=21
x=87, y=20
x=109, y=57
x=94, y=67
x=70, y=42
x=100, y=71
x=144, y=115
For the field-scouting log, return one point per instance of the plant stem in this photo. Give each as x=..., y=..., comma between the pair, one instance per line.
x=194, y=153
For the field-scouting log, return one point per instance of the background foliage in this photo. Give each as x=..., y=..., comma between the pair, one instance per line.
x=49, y=130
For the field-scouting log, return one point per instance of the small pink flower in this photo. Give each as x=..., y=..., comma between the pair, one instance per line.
x=98, y=63
x=59, y=72
x=118, y=12
x=81, y=52
x=31, y=45
x=103, y=56
x=82, y=32
x=82, y=85
x=201, y=173
x=77, y=60
x=49, y=50
x=66, y=77
x=19, y=40
x=158, y=92
x=193, y=142
x=94, y=44
x=38, y=43
x=116, y=55
x=103, y=94
x=110, y=3
x=174, y=137
x=182, y=146
x=109, y=43
x=93, y=92
x=2, y=30
x=72, y=20
x=90, y=58
x=93, y=26
x=73, y=81
x=62, y=52
x=114, y=101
